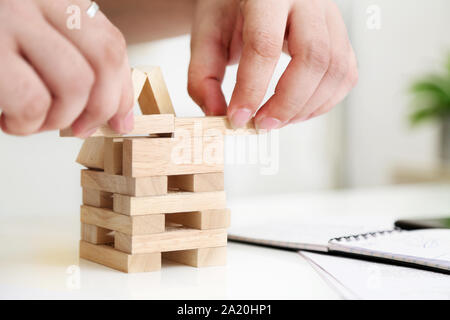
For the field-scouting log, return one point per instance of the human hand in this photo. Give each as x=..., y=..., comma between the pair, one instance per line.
x=322, y=70
x=53, y=77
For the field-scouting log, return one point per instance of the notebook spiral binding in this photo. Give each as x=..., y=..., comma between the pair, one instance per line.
x=364, y=236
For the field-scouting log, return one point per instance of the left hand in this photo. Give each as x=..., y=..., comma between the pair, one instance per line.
x=322, y=70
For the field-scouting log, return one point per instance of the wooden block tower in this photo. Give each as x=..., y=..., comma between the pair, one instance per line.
x=157, y=192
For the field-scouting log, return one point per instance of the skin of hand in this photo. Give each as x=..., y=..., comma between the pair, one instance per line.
x=53, y=77
x=322, y=69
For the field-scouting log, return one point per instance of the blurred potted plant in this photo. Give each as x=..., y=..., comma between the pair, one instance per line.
x=431, y=101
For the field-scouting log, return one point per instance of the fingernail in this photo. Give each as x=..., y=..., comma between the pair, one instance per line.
x=240, y=118
x=87, y=134
x=128, y=122
x=269, y=123
x=298, y=120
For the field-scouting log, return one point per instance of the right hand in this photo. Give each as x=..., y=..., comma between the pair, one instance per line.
x=53, y=77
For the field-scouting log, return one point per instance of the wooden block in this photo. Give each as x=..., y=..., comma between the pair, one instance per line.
x=95, y=234
x=142, y=186
x=172, y=156
x=173, y=239
x=205, y=219
x=113, y=155
x=210, y=126
x=204, y=257
x=138, y=78
x=154, y=97
x=118, y=260
x=108, y=219
x=201, y=182
x=91, y=154
x=169, y=203
x=97, y=198
x=143, y=125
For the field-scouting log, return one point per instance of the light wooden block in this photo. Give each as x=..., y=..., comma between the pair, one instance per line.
x=108, y=256
x=108, y=219
x=173, y=239
x=113, y=155
x=142, y=186
x=172, y=156
x=143, y=125
x=205, y=219
x=138, y=79
x=91, y=154
x=95, y=234
x=203, y=257
x=210, y=126
x=154, y=97
x=169, y=203
x=97, y=198
x=201, y=182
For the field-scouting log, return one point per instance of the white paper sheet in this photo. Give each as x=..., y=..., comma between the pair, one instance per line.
x=354, y=278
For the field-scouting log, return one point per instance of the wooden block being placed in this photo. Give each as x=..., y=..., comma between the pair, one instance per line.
x=169, y=203
x=97, y=198
x=205, y=219
x=172, y=156
x=143, y=125
x=200, y=182
x=113, y=155
x=154, y=97
x=204, y=257
x=118, y=260
x=209, y=126
x=142, y=186
x=91, y=154
x=138, y=78
x=95, y=234
x=108, y=219
x=173, y=239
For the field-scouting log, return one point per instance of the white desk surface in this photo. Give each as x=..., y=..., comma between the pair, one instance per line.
x=36, y=253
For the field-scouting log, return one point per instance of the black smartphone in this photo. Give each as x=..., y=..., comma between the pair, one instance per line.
x=413, y=224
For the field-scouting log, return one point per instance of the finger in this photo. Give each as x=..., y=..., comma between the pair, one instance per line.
x=124, y=118
x=209, y=58
x=103, y=46
x=24, y=99
x=338, y=68
x=309, y=47
x=349, y=83
x=263, y=35
x=62, y=68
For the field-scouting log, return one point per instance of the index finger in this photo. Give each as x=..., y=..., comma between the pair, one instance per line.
x=263, y=36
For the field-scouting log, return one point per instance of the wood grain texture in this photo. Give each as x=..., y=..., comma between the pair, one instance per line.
x=138, y=79
x=113, y=155
x=169, y=203
x=173, y=239
x=210, y=126
x=91, y=154
x=172, y=156
x=97, y=198
x=95, y=234
x=143, y=125
x=154, y=97
x=200, y=182
x=142, y=186
x=108, y=219
x=108, y=256
x=203, y=257
x=205, y=219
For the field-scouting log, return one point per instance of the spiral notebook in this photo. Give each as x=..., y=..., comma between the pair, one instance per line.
x=428, y=248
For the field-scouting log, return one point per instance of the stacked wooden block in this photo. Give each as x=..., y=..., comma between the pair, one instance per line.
x=157, y=193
